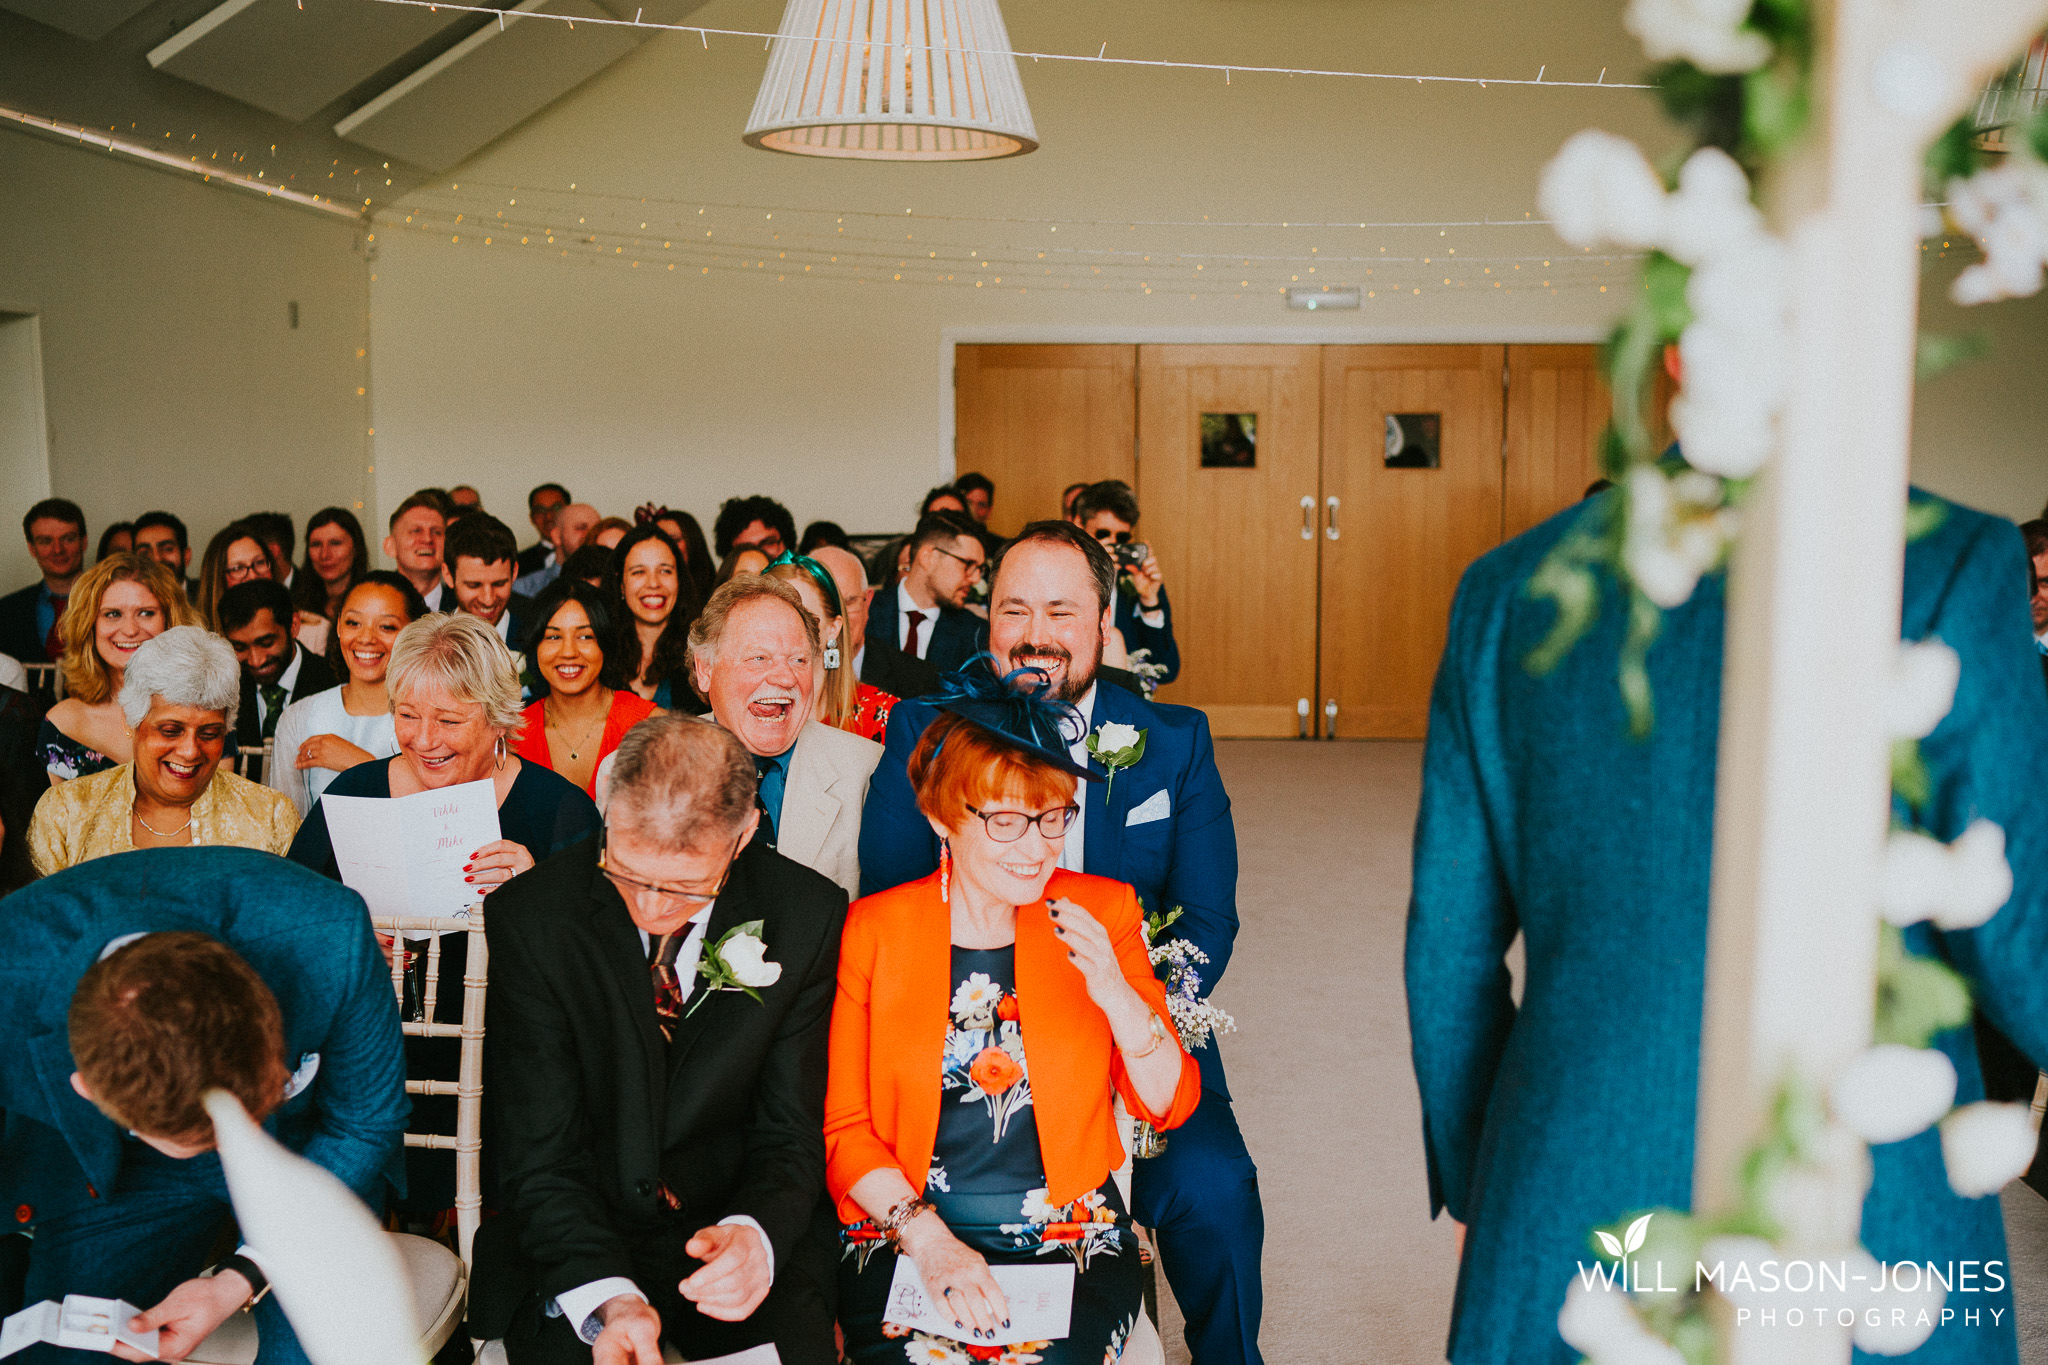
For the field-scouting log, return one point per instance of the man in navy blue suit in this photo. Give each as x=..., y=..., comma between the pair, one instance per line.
x=1163, y=825
x=129, y=986
x=921, y=628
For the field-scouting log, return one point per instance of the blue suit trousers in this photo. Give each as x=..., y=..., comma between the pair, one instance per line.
x=158, y=1228
x=1201, y=1197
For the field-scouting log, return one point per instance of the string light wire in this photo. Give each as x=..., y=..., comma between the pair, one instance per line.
x=205, y=170
x=1101, y=58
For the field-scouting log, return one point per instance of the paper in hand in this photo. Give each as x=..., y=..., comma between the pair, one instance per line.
x=404, y=855
x=1041, y=1299
x=81, y=1323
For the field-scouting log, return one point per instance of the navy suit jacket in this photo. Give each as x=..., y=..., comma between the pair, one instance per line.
x=1539, y=814
x=18, y=634
x=1188, y=858
x=307, y=937
x=957, y=636
x=1138, y=635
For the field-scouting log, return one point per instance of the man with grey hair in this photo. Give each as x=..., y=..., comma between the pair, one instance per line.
x=754, y=657
x=660, y=999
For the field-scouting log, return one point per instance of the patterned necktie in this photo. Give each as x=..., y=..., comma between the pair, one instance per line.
x=273, y=707
x=53, y=643
x=668, y=993
x=910, y=641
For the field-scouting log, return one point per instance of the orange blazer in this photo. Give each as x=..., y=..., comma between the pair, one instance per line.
x=889, y=1034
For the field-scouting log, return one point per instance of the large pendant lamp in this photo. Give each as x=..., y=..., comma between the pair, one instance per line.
x=893, y=80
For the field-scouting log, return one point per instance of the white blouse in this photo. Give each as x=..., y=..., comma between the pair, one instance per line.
x=321, y=714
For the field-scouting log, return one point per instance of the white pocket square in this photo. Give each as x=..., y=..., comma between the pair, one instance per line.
x=1157, y=806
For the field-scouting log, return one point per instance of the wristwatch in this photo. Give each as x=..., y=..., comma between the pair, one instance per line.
x=259, y=1284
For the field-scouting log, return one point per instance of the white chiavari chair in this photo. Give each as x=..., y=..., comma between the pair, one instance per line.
x=440, y=1277
x=253, y=763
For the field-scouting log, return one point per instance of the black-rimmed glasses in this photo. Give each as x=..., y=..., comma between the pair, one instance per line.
x=693, y=900
x=975, y=567
x=1008, y=826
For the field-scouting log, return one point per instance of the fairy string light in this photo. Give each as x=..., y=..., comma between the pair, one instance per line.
x=1101, y=58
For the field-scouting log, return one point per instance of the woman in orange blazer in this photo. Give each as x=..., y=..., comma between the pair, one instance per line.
x=985, y=1015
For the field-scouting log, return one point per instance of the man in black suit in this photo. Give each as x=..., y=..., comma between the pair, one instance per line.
x=922, y=631
x=55, y=530
x=660, y=1129
x=161, y=536
x=256, y=616
x=478, y=565
x=541, y=505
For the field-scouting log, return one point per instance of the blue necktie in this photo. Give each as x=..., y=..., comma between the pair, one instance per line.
x=770, y=797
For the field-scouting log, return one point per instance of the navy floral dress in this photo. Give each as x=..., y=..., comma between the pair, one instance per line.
x=987, y=1181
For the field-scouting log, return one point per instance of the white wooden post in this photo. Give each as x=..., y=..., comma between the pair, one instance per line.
x=1813, y=616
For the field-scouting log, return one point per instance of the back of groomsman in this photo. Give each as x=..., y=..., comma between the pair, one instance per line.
x=1164, y=826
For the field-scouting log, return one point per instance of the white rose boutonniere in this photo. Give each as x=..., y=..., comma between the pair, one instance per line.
x=1116, y=747
x=737, y=962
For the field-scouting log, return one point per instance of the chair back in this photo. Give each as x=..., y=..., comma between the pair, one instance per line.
x=45, y=682
x=253, y=763
x=468, y=1087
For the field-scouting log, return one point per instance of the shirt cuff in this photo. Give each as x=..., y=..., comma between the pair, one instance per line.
x=580, y=1305
x=743, y=1220
x=1156, y=618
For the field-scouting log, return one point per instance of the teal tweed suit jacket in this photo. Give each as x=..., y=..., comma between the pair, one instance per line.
x=1540, y=815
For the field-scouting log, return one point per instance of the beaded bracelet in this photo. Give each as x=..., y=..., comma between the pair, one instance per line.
x=900, y=1214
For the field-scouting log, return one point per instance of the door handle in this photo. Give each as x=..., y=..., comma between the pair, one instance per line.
x=1301, y=715
x=1308, y=517
x=1330, y=518
x=1330, y=718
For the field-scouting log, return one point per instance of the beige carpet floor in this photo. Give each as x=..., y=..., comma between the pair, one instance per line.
x=1355, y=1271
x=1354, y=1268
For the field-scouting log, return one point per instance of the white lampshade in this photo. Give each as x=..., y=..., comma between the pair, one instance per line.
x=893, y=80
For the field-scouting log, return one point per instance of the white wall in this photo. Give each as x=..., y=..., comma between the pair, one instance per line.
x=1980, y=431
x=503, y=365
x=171, y=378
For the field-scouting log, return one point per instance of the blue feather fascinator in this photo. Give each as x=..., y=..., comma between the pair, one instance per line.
x=1017, y=706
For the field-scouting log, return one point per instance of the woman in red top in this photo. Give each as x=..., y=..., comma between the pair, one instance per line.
x=985, y=1018
x=587, y=708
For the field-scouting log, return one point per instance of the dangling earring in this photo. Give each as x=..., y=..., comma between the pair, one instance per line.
x=831, y=657
x=945, y=873
x=499, y=747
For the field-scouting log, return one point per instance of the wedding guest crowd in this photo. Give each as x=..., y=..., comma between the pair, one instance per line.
x=705, y=1123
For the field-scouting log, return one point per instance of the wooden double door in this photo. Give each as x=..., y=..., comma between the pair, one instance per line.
x=1312, y=506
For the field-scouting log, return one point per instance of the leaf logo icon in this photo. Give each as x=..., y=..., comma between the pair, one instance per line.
x=1637, y=1231
x=1608, y=1241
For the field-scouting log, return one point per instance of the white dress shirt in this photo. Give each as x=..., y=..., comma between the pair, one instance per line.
x=905, y=606
x=433, y=598
x=287, y=680
x=580, y=1305
x=1075, y=850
